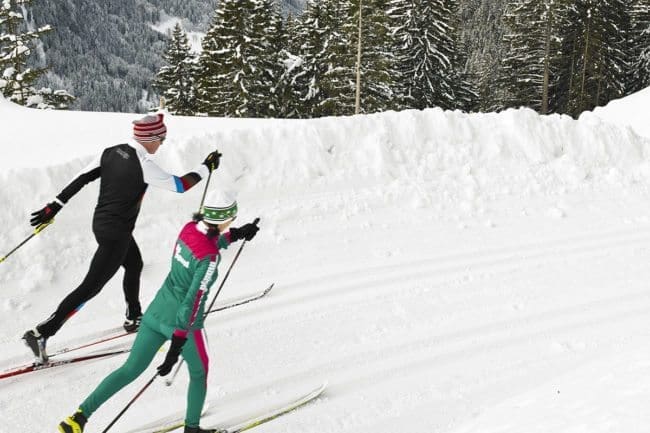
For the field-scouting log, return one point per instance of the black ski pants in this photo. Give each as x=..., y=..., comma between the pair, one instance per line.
x=110, y=255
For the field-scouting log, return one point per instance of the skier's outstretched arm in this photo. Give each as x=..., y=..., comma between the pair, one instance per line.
x=85, y=176
x=156, y=176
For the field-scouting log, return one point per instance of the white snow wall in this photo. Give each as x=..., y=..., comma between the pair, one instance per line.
x=428, y=159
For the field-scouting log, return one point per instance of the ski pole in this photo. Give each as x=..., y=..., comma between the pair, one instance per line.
x=37, y=230
x=205, y=190
x=197, y=215
x=131, y=402
x=225, y=277
x=169, y=381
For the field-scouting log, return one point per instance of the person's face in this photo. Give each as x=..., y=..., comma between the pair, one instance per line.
x=224, y=226
x=152, y=146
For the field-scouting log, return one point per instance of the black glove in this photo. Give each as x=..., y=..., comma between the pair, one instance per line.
x=46, y=214
x=212, y=160
x=172, y=355
x=247, y=231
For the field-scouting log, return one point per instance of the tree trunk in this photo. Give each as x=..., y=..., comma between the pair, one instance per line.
x=585, y=61
x=547, y=61
x=357, y=103
x=572, y=72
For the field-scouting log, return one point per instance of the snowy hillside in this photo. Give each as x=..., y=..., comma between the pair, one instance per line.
x=444, y=272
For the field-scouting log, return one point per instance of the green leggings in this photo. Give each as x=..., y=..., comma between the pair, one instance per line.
x=151, y=336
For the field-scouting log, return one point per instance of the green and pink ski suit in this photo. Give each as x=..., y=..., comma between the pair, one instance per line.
x=178, y=308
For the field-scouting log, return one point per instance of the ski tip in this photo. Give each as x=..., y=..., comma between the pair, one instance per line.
x=268, y=289
x=317, y=392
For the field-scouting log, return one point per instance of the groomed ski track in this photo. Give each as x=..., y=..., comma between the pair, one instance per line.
x=492, y=311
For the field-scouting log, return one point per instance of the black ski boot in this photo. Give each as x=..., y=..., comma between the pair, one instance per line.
x=35, y=341
x=189, y=429
x=74, y=423
x=132, y=325
x=133, y=318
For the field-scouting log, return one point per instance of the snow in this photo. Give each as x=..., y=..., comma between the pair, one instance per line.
x=631, y=111
x=445, y=272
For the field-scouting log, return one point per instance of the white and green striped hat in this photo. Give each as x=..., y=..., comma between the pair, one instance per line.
x=219, y=208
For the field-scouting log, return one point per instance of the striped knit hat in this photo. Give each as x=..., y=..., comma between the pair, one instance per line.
x=149, y=128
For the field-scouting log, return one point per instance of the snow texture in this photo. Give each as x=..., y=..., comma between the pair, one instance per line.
x=444, y=272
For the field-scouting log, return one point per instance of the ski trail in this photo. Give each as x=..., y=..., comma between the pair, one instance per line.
x=363, y=284
x=518, y=345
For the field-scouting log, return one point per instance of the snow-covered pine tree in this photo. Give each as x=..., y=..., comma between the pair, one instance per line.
x=427, y=53
x=482, y=33
x=234, y=78
x=639, y=46
x=306, y=73
x=403, y=25
x=529, y=72
x=378, y=62
x=208, y=82
x=16, y=45
x=56, y=99
x=271, y=42
x=176, y=80
x=326, y=75
x=594, y=44
x=337, y=83
x=224, y=69
x=287, y=92
x=220, y=90
x=466, y=91
x=290, y=26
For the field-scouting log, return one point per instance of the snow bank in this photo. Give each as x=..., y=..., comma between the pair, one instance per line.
x=415, y=157
x=630, y=111
x=442, y=161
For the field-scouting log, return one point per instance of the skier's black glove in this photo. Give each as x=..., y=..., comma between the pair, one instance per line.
x=212, y=160
x=172, y=355
x=46, y=214
x=247, y=231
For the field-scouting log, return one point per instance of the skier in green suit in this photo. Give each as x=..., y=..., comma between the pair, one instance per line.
x=176, y=313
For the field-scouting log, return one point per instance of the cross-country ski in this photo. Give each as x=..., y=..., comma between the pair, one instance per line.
x=58, y=363
x=271, y=413
x=242, y=301
x=116, y=335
